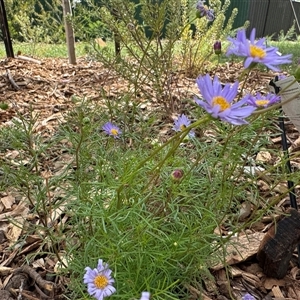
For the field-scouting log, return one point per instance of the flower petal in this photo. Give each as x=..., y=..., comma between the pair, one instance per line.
x=222, y=107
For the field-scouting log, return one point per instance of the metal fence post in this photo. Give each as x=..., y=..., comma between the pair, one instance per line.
x=266, y=17
x=5, y=31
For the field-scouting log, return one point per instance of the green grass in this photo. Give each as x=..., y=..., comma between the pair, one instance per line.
x=289, y=47
x=41, y=50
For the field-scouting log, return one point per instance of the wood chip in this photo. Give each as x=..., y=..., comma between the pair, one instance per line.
x=5, y=270
x=277, y=247
x=277, y=293
x=8, y=201
x=240, y=249
x=271, y=282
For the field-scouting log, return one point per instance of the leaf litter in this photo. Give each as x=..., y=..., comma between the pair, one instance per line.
x=46, y=88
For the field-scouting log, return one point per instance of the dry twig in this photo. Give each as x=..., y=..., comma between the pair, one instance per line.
x=10, y=78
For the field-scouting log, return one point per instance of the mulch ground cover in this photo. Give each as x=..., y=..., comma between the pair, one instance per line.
x=45, y=88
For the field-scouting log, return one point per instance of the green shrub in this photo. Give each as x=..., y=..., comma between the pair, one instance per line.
x=35, y=21
x=157, y=38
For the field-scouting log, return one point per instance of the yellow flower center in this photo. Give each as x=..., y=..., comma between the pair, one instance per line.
x=257, y=52
x=101, y=281
x=221, y=101
x=182, y=127
x=114, y=131
x=261, y=102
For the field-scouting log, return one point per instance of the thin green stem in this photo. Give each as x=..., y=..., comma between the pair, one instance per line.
x=246, y=72
x=181, y=135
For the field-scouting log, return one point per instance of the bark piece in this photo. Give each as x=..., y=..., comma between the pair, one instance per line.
x=277, y=292
x=5, y=295
x=278, y=245
x=269, y=283
x=46, y=285
x=239, y=249
x=17, y=281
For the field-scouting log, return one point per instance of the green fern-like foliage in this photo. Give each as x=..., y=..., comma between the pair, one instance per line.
x=198, y=39
x=35, y=21
x=158, y=37
x=87, y=21
x=289, y=35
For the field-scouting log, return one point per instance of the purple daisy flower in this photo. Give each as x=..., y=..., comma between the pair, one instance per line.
x=99, y=281
x=181, y=123
x=218, y=101
x=145, y=296
x=248, y=297
x=256, y=51
x=112, y=130
x=262, y=101
x=203, y=10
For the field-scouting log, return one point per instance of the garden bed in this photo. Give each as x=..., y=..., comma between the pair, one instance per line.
x=47, y=91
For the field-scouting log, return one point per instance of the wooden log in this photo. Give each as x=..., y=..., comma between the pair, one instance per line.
x=278, y=245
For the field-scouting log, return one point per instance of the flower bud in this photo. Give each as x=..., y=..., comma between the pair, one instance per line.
x=217, y=47
x=177, y=175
